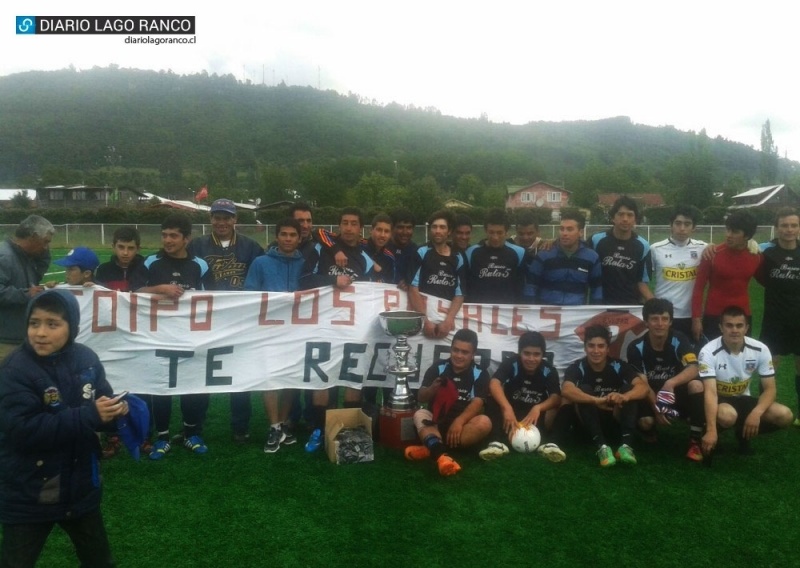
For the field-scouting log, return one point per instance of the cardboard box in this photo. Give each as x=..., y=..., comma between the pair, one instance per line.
x=337, y=419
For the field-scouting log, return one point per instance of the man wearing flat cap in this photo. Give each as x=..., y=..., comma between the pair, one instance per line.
x=229, y=255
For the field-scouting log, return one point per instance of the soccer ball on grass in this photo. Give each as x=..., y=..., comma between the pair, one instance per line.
x=526, y=439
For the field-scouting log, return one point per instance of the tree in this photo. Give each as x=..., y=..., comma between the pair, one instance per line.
x=769, y=156
x=20, y=200
x=470, y=188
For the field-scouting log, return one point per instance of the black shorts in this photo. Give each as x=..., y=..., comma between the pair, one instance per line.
x=743, y=405
x=781, y=338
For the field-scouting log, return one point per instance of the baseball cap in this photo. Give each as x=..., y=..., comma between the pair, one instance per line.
x=81, y=257
x=223, y=206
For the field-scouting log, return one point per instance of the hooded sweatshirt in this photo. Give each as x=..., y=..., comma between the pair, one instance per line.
x=48, y=447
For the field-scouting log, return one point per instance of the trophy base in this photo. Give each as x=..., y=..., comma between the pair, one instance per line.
x=396, y=428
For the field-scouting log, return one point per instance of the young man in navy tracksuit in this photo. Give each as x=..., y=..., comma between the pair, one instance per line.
x=170, y=272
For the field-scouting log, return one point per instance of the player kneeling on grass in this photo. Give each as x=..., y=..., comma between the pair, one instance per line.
x=668, y=360
x=53, y=397
x=605, y=392
x=455, y=391
x=523, y=389
x=727, y=364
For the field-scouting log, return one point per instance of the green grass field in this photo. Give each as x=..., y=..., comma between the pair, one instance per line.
x=239, y=507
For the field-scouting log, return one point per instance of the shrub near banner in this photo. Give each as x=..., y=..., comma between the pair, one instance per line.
x=311, y=339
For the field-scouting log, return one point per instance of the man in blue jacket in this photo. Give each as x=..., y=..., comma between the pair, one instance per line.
x=54, y=396
x=278, y=271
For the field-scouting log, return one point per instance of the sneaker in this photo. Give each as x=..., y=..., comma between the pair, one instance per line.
x=195, y=444
x=416, y=453
x=315, y=441
x=274, y=439
x=288, y=436
x=160, y=449
x=695, y=453
x=552, y=452
x=493, y=451
x=605, y=456
x=625, y=454
x=447, y=465
x=240, y=439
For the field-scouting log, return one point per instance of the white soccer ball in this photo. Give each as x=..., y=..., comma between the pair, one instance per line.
x=526, y=440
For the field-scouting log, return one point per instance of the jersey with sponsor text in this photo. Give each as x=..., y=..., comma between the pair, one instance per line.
x=525, y=390
x=438, y=275
x=660, y=366
x=613, y=378
x=674, y=268
x=780, y=275
x=623, y=264
x=494, y=274
x=734, y=371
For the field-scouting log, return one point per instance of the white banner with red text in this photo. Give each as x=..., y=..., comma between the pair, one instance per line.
x=312, y=339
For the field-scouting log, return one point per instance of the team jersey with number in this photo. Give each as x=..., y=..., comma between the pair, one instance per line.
x=733, y=371
x=660, y=366
x=613, y=378
x=227, y=263
x=438, y=275
x=623, y=265
x=674, y=268
x=494, y=274
x=525, y=390
x=779, y=273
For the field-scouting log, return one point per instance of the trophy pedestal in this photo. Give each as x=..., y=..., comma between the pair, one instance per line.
x=396, y=421
x=397, y=428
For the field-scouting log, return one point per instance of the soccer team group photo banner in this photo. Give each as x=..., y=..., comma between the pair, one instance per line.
x=312, y=339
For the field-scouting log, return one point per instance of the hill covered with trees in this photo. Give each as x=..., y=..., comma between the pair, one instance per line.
x=171, y=134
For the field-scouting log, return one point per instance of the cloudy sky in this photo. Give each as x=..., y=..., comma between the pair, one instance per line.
x=723, y=66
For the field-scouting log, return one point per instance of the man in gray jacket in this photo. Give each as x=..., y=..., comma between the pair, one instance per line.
x=24, y=259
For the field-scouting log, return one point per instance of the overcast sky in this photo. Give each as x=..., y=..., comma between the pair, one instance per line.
x=723, y=66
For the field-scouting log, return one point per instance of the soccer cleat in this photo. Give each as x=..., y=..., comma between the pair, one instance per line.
x=605, y=456
x=694, y=452
x=552, y=452
x=447, y=465
x=160, y=449
x=416, y=453
x=493, y=451
x=315, y=441
x=195, y=444
x=274, y=439
x=625, y=455
x=288, y=436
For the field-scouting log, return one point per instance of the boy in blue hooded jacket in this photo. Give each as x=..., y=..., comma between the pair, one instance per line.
x=54, y=397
